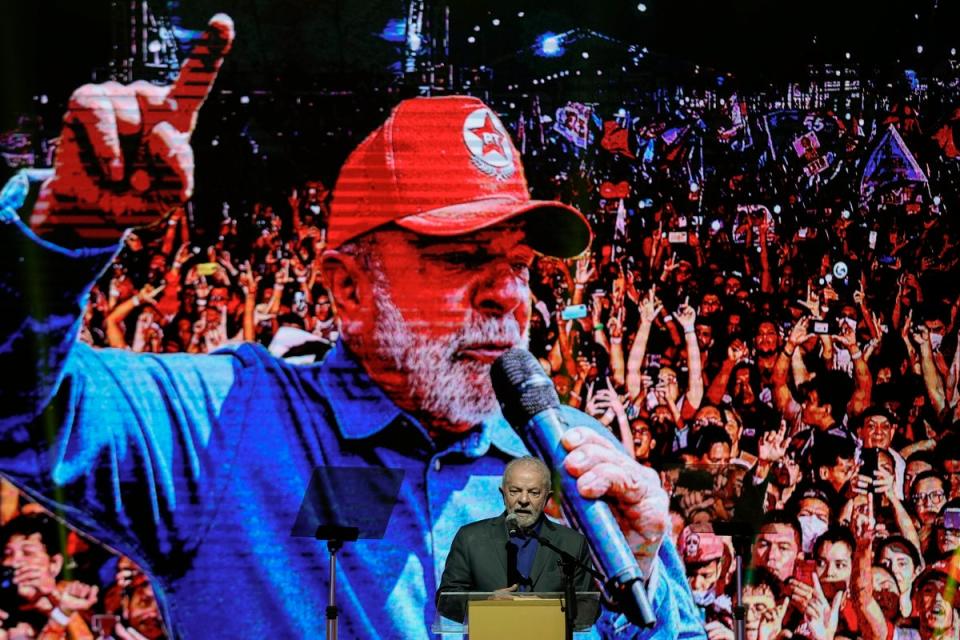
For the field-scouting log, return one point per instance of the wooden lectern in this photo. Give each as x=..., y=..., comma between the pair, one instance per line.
x=517, y=618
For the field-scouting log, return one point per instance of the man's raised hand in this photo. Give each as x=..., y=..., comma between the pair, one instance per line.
x=124, y=156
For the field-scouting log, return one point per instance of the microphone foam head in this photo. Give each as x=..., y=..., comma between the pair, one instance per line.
x=522, y=387
x=513, y=525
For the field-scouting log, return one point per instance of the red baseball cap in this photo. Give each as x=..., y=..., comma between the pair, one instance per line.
x=445, y=167
x=698, y=547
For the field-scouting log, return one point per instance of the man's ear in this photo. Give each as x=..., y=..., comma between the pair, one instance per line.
x=346, y=281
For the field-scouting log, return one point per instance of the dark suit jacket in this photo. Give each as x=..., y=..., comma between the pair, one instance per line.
x=478, y=562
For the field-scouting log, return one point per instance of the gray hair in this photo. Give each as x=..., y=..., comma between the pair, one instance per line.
x=366, y=250
x=530, y=461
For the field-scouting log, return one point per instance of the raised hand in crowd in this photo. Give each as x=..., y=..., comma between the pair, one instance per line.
x=584, y=275
x=77, y=597
x=820, y=615
x=650, y=307
x=771, y=449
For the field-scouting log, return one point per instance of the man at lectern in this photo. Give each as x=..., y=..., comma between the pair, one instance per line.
x=486, y=557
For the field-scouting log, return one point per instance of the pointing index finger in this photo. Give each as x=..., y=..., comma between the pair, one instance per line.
x=199, y=72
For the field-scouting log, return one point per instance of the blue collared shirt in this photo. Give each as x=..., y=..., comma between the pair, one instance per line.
x=526, y=547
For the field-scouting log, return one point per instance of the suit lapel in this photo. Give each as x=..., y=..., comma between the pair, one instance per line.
x=544, y=556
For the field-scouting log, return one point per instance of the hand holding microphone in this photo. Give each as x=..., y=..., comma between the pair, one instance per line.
x=637, y=500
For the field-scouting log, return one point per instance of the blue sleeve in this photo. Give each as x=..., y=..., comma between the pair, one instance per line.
x=44, y=289
x=123, y=445
x=678, y=618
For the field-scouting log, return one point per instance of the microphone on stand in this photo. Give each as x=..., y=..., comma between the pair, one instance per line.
x=513, y=525
x=531, y=405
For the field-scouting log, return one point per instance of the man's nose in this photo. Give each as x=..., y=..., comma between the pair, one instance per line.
x=500, y=289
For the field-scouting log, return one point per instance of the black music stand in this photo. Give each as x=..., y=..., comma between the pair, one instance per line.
x=329, y=512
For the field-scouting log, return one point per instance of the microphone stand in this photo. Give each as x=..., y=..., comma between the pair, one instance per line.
x=742, y=537
x=335, y=537
x=569, y=565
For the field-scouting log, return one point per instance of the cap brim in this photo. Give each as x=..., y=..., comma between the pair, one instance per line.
x=552, y=228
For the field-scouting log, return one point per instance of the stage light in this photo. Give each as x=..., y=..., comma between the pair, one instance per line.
x=847, y=116
x=244, y=99
x=585, y=55
x=953, y=51
x=520, y=14
x=919, y=48
x=847, y=55
x=694, y=187
x=471, y=40
x=513, y=105
x=861, y=122
x=44, y=99
x=777, y=209
x=414, y=42
x=937, y=200
x=535, y=81
x=599, y=72
x=641, y=7
x=550, y=45
x=495, y=22
x=154, y=46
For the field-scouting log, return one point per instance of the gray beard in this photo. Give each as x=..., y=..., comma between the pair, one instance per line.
x=440, y=383
x=526, y=520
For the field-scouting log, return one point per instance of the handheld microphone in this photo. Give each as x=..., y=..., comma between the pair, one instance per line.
x=531, y=405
